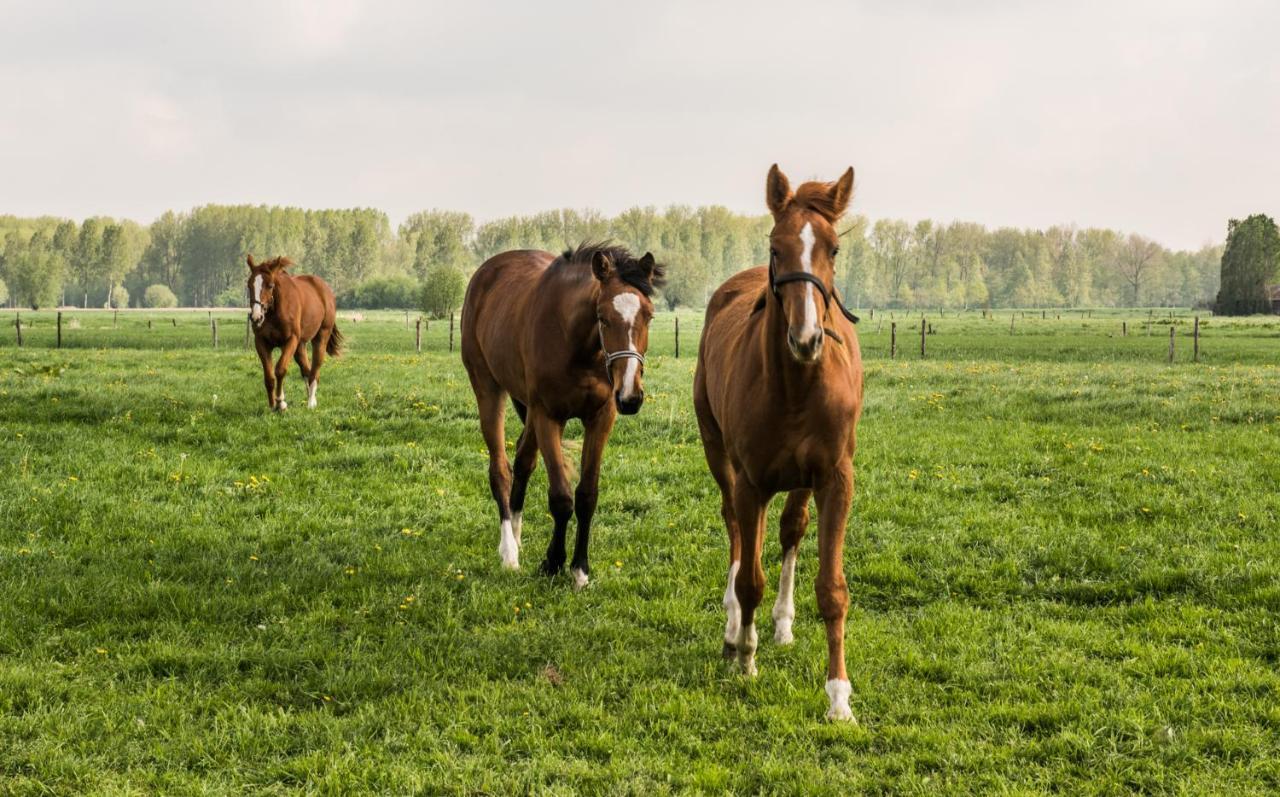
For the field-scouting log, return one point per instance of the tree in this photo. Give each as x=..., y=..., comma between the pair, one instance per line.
x=33, y=269
x=87, y=256
x=1250, y=262
x=442, y=290
x=159, y=296
x=118, y=298
x=122, y=248
x=1136, y=259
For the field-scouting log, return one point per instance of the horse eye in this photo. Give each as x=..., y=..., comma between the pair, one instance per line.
x=773, y=253
x=835, y=251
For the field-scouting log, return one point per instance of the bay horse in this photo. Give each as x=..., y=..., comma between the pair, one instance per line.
x=778, y=407
x=287, y=312
x=564, y=337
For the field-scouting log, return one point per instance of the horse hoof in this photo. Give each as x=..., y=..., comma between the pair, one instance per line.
x=550, y=570
x=729, y=650
x=580, y=579
x=782, y=634
x=838, y=693
x=748, y=666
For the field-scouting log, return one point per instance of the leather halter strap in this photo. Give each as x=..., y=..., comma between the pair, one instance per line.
x=804, y=276
x=611, y=356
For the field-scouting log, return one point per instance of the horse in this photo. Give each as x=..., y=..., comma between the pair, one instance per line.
x=287, y=312
x=777, y=408
x=565, y=337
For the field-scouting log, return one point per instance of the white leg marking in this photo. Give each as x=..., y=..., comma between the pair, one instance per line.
x=311, y=394
x=838, y=693
x=747, y=649
x=580, y=579
x=517, y=525
x=806, y=263
x=733, y=612
x=784, y=608
x=508, y=548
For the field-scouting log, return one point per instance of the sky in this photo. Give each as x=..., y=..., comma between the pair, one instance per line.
x=1161, y=118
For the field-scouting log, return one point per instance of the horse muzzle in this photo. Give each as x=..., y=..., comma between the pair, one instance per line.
x=808, y=350
x=629, y=405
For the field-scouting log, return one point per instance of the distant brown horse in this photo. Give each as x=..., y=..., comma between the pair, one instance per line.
x=287, y=312
x=778, y=392
x=564, y=337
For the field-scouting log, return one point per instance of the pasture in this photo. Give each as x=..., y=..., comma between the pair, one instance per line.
x=1063, y=562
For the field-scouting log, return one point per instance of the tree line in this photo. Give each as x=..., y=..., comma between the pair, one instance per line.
x=197, y=257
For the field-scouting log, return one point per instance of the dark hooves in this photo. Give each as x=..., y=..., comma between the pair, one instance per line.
x=547, y=568
x=729, y=651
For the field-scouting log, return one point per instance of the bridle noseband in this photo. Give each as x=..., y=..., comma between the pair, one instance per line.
x=611, y=356
x=804, y=276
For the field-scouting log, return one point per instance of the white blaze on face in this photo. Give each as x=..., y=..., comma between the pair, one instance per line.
x=628, y=307
x=806, y=262
x=256, y=312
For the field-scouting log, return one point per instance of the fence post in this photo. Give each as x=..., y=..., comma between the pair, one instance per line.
x=451, y=331
x=417, y=335
x=406, y=319
x=148, y=323
x=893, y=339
x=175, y=322
x=1011, y=317
x=1195, y=356
x=1124, y=329
x=922, y=328
x=17, y=323
x=1171, y=332
x=115, y=318
x=677, y=337
x=59, y=329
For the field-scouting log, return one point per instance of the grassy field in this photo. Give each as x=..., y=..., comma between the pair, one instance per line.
x=1063, y=558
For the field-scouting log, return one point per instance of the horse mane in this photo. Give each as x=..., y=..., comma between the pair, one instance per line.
x=625, y=264
x=282, y=262
x=818, y=197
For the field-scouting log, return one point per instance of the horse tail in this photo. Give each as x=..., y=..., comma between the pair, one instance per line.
x=334, y=347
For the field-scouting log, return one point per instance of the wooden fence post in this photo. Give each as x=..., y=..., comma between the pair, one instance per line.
x=1171, y=333
x=148, y=323
x=406, y=320
x=213, y=328
x=417, y=336
x=1195, y=356
x=175, y=322
x=677, y=337
x=115, y=318
x=59, y=329
x=1124, y=329
x=1011, y=317
x=17, y=323
x=893, y=339
x=922, y=328
x=451, y=331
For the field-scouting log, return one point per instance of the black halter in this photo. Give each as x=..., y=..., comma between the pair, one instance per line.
x=611, y=356
x=804, y=276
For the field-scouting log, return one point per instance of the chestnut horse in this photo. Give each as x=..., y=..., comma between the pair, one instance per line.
x=777, y=406
x=564, y=337
x=286, y=313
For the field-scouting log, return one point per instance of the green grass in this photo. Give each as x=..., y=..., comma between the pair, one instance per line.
x=1063, y=561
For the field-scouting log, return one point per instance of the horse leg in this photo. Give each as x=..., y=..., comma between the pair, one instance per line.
x=795, y=521
x=282, y=367
x=318, y=346
x=834, y=497
x=559, y=500
x=300, y=357
x=723, y=475
x=491, y=401
x=525, y=463
x=596, y=434
x=268, y=372
x=749, y=506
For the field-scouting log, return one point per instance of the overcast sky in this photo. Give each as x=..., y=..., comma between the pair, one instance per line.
x=1161, y=118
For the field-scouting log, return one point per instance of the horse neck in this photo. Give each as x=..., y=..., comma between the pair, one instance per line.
x=577, y=310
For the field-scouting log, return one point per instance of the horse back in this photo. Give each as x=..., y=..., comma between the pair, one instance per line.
x=494, y=317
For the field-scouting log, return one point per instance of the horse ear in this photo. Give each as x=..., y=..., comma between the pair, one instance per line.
x=841, y=192
x=601, y=266
x=646, y=263
x=279, y=263
x=777, y=191
x=249, y=260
